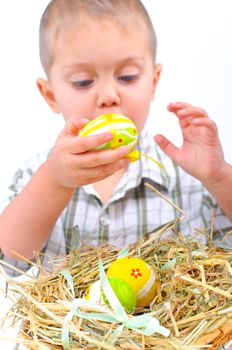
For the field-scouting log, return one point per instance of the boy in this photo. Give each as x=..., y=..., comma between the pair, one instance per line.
x=99, y=57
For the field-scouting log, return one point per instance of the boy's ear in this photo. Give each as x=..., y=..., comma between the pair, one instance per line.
x=157, y=72
x=47, y=93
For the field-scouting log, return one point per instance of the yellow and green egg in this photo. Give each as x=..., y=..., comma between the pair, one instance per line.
x=139, y=275
x=123, y=130
x=132, y=280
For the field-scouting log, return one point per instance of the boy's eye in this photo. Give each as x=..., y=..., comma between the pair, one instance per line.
x=128, y=78
x=82, y=83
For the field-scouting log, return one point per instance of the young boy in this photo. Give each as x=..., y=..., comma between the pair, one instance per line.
x=99, y=57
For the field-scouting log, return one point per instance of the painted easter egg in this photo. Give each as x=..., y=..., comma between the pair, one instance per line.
x=94, y=293
x=122, y=128
x=139, y=275
x=124, y=292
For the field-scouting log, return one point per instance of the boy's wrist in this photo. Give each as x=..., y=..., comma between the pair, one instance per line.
x=224, y=178
x=52, y=183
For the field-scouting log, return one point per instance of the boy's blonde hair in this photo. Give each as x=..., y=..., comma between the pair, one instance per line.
x=59, y=12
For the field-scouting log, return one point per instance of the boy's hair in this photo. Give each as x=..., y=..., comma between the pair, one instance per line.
x=59, y=12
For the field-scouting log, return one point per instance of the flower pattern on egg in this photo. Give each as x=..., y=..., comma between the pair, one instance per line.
x=136, y=273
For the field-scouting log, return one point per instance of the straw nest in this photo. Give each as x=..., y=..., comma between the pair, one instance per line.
x=194, y=294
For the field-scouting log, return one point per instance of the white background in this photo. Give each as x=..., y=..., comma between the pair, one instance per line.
x=194, y=46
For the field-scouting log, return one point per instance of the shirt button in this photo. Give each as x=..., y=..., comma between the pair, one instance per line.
x=104, y=220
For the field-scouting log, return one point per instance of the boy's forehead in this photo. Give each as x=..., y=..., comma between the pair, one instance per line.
x=85, y=25
x=83, y=20
x=87, y=39
x=67, y=26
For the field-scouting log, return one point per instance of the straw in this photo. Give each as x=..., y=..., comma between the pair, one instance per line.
x=193, y=300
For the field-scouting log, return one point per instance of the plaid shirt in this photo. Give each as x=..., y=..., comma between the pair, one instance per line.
x=133, y=209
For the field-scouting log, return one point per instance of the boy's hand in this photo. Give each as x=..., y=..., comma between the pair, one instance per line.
x=72, y=162
x=201, y=153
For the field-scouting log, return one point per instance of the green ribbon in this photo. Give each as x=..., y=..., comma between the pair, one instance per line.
x=169, y=265
x=144, y=324
x=67, y=275
x=123, y=253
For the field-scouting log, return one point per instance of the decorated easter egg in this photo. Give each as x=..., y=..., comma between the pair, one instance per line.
x=124, y=292
x=123, y=132
x=94, y=293
x=122, y=128
x=122, y=289
x=139, y=275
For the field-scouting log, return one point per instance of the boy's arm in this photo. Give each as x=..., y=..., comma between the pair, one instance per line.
x=221, y=190
x=27, y=221
x=201, y=153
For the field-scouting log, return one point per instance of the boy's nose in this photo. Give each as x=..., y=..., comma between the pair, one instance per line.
x=108, y=97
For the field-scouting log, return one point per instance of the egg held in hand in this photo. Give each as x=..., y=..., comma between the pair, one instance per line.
x=123, y=130
x=139, y=275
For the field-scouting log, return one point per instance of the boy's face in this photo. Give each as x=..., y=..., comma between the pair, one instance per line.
x=101, y=67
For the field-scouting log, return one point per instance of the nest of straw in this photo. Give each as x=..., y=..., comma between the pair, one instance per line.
x=194, y=294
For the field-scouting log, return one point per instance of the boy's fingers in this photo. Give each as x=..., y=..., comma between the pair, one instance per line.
x=166, y=146
x=193, y=112
x=209, y=125
x=102, y=171
x=187, y=116
x=74, y=125
x=87, y=143
x=183, y=109
x=175, y=106
x=98, y=158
